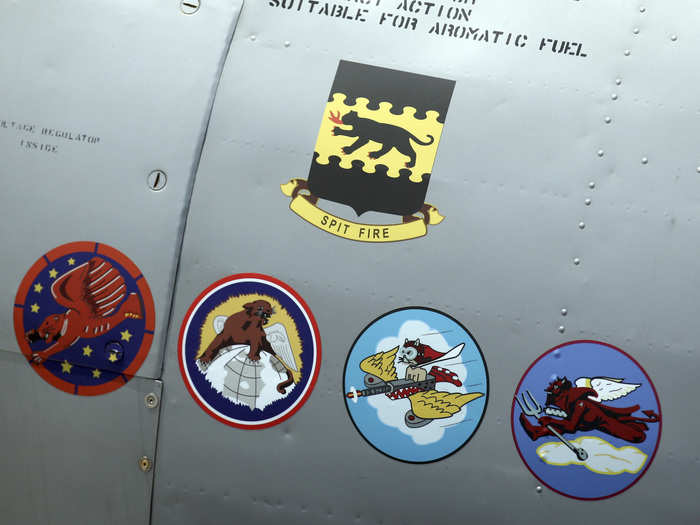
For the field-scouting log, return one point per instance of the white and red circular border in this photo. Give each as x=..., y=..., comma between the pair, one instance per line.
x=305, y=310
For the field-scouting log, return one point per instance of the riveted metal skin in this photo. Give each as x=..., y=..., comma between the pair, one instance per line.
x=70, y=456
x=115, y=111
x=518, y=157
x=535, y=143
x=95, y=98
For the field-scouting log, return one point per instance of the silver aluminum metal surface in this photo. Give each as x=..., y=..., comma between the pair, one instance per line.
x=94, y=98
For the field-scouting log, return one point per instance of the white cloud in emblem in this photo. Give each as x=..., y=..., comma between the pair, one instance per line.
x=603, y=458
x=391, y=413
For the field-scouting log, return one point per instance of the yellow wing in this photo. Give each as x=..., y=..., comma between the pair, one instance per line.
x=381, y=364
x=435, y=405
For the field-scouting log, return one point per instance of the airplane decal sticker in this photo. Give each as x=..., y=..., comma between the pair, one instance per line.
x=84, y=318
x=416, y=384
x=586, y=420
x=249, y=351
x=375, y=151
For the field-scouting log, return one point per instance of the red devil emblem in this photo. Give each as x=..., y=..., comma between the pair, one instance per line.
x=94, y=295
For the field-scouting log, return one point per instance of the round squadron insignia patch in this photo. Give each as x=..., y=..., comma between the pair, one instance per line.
x=249, y=351
x=416, y=384
x=84, y=318
x=586, y=420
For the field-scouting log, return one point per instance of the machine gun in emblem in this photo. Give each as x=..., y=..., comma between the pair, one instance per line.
x=418, y=386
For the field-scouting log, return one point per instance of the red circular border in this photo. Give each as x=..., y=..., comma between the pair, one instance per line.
x=658, y=402
x=317, y=341
x=150, y=315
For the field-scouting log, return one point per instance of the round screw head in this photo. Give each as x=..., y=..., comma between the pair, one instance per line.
x=587, y=202
x=645, y=160
x=618, y=81
x=601, y=153
x=608, y=120
x=151, y=400
x=581, y=225
x=591, y=185
x=613, y=96
x=145, y=463
x=157, y=180
x=538, y=488
x=189, y=7
x=674, y=38
x=561, y=329
x=564, y=311
x=636, y=30
x=577, y=261
x=627, y=52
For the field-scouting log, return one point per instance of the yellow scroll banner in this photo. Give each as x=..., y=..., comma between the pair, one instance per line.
x=304, y=205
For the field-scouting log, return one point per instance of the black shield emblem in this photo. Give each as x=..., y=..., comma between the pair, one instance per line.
x=378, y=139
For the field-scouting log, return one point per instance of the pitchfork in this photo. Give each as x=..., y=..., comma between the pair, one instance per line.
x=534, y=409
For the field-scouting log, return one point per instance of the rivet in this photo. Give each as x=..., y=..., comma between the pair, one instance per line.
x=674, y=38
x=145, y=463
x=601, y=153
x=645, y=160
x=613, y=96
x=538, y=488
x=561, y=329
x=581, y=225
x=627, y=52
x=189, y=7
x=608, y=120
x=151, y=400
x=618, y=81
x=564, y=311
x=287, y=43
x=157, y=180
x=697, y=169
x=577, y=261
x=591, y=185
x=642, y=9
x=252, y=38
x=587, y=202
x=636, y=30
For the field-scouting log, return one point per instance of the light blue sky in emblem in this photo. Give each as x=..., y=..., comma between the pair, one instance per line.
x=378, y=418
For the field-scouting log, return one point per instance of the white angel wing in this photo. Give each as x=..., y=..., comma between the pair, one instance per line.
x=279, y=340
x=219, y=321
x=607, y=388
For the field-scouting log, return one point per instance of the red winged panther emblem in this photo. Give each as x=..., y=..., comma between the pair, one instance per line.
x=94, y=295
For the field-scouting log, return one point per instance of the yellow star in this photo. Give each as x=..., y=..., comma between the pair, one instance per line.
x=71, y=261
x=96, y=373
x=112, y=357
x=53, y=273
x=65, y=367
x=125, y=335
x=38, y=288
x=35, y=308
x=87, y=350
